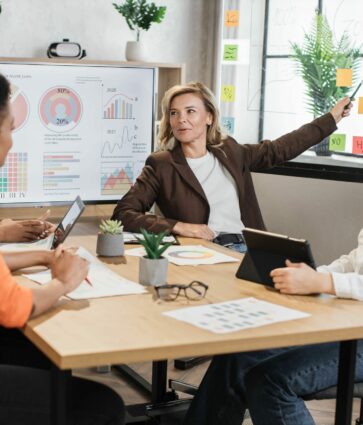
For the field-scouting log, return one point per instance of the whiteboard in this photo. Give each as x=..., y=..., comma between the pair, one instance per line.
x=79, y=130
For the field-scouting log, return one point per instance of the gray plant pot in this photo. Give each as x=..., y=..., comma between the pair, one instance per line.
x=110, y=245
x=153, y=272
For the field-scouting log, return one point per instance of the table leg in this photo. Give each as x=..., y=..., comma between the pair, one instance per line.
x=58, y=395
x=346, y=372
x=159, y=381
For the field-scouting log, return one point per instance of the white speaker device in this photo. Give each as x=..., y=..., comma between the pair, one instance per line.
x=65, y=49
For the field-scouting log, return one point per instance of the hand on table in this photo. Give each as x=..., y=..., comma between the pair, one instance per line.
x=299, y=278
x=190, y=230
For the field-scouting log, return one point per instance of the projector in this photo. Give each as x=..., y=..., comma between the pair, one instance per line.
x=65, y=49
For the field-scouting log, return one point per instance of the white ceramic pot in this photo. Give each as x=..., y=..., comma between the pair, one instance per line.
x=153, y=272
x=135, y=51
x=110, y=245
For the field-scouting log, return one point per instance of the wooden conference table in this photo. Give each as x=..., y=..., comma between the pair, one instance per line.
x=125, y=329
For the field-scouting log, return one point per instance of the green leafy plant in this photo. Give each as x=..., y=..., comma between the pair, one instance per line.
x=140, y=14
x=152, y=244
x=112, y=227
x=317, y=60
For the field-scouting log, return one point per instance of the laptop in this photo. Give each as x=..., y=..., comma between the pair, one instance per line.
x=267, y=251
x=68, y=221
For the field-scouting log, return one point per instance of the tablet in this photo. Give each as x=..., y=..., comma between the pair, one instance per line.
x=267, y=251
x=68, y=221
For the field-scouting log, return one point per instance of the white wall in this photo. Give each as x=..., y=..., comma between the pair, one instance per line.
x=27, y=27
x=327, y=213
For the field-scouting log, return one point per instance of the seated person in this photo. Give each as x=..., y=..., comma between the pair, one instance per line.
x=24, y=391
x=271, y=383
x=201, y=180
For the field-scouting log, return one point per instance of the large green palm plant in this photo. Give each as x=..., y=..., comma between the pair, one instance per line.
x=317, y=60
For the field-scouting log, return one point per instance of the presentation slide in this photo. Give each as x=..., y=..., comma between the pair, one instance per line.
x=79, y=130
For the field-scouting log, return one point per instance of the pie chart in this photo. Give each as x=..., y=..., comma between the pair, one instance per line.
x=60, y=109
x=19, y=106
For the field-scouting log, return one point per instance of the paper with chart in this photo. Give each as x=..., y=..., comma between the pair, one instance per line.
x=105, y=282
x=39, y=245
x=235, y=315
x=189, y=255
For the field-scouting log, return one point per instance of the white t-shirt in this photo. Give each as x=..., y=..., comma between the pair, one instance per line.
x=221, y=192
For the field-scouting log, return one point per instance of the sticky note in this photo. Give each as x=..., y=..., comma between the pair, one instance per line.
x=360, y=105
x=230, y=52
x=231, y=18
x=344, y=77
x=337, y=142
x=358, y=145
x=228, y=124
x=228, y=93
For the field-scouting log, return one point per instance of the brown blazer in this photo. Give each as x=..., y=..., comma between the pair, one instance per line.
x=168, y=180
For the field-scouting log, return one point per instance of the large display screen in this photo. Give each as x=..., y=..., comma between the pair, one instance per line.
x=79, y=130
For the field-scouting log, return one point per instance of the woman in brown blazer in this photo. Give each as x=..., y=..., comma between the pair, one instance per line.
x=201, y=179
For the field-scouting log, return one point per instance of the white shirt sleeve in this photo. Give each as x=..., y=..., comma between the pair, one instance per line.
x=347, y=273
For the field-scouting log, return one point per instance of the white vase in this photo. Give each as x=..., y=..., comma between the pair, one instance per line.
x=135, y=51
x=153, y=272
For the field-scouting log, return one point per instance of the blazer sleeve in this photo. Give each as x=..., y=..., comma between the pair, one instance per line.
x=132, y=209
x=15, y=301
x=267, y=153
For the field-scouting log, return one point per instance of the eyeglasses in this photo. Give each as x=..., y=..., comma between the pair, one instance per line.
x=193, y=291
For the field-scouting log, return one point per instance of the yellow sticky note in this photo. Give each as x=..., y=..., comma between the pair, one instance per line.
x=344, y=77
x=232, y=18
x=360, y=105
x=228, y=93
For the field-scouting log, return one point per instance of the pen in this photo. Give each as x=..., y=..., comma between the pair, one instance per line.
x=88, y=281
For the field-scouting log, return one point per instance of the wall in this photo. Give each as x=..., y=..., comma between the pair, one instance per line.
x=27, y=27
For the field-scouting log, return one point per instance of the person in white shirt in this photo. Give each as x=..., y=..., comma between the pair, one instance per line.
x=272, y=383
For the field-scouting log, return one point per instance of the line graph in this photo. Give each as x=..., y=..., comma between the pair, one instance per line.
x=119, y=145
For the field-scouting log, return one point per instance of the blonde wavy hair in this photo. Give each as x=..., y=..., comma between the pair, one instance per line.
x=215, y=135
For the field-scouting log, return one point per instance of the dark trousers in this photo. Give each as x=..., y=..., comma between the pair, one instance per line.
x=25, y=389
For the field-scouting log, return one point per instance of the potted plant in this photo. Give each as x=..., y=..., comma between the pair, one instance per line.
x=110, y=240
x=139, y=15
x=153, y=268
x=318, y=59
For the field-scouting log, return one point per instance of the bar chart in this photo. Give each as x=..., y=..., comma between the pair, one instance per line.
x=61, y=171
x=118, y=107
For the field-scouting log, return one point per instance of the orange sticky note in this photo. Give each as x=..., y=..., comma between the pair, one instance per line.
x=360, y=105
x=232, y=18
x=344, y=77
x=357, y=145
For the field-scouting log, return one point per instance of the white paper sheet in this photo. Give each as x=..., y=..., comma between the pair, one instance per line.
x=41, y=244
x=105, y=283
x=188, y=255
x=235, y=315
x=131, y=238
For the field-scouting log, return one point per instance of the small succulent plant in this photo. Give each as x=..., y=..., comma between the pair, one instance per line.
x=112, y=227
x=152, y=244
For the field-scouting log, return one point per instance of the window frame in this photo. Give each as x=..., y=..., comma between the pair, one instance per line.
x=296, y=168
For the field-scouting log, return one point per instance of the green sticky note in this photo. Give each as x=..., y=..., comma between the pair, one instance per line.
x=337, y=142
x=230, y=52
x=228, y=93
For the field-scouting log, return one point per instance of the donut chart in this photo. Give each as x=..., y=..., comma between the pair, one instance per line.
x=191, y=254
x=60, y=109
x=20, y=107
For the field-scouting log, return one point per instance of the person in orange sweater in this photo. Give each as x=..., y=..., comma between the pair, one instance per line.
x=24, y=390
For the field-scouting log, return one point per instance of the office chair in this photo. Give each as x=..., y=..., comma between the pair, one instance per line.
x=331, y=392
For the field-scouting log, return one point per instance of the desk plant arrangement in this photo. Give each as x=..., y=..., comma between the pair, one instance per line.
x=139, y=15
x=317, y=60
x=110, y=240
x=153, y=268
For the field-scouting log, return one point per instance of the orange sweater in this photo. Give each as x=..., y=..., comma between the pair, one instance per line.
x=15, y=301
